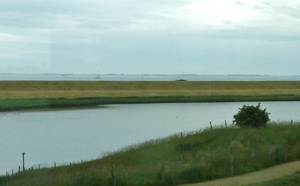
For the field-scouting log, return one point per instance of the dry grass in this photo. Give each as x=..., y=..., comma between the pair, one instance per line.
x=74, y=89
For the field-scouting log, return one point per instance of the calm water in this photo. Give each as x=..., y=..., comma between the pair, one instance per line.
x=94, y=77
x=72, y=135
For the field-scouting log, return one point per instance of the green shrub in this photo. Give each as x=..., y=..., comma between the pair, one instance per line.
x=251, y=116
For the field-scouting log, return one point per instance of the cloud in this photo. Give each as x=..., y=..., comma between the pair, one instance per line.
x=8, y=37
x=148, y=36
x=245, y=20
x=156, y=16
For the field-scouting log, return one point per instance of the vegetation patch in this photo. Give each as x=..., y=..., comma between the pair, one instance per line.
x=56, y=103
x=178, y=159
x=251, y=116
x=22, y=95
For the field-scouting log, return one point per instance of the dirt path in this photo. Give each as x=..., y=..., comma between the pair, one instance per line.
x=255, y=177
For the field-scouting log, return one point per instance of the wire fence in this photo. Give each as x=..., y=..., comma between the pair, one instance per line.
x=41, y=166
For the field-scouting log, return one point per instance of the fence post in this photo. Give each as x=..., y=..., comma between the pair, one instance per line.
x=210, y=125
x=113, y=175
x=231, y=164
x=252, y=157
x=286, y=152
x=163, y=172
x=203, y=163
x=225, y=124
x=23, y=154
x=51, y=178
x=270, y=155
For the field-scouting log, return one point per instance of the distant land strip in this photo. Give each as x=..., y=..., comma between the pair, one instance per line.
x=26, y=95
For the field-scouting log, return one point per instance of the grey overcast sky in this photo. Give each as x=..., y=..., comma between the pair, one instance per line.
x=150, y=36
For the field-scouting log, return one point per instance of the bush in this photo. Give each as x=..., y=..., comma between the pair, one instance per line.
x=251, y=116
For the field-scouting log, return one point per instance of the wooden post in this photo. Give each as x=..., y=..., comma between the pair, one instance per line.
x=231, y=164
x=12, y=172
x=286, y=152
x=113, y=175
x=252, y=158
x=270, y=155
x=163, y=172
x=210, y=126
x=292, y=122
x=225, y=124
x=23, y=154
x=54, y=164
x=19, y=169
x=39, y=166
x=203, y=162
x=51, y=178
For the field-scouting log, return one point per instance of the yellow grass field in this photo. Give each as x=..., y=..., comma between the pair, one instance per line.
x=82, y=89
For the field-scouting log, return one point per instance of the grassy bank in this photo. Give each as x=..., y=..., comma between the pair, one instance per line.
x=20, y=95
x=178, y=159
x=42, y=103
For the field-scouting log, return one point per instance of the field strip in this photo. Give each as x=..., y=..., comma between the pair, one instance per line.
x=141, y=93
x=254, y=177
x=77, y=89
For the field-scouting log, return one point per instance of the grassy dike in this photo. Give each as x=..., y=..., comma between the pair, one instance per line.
x=22, y=95
x=178, y=159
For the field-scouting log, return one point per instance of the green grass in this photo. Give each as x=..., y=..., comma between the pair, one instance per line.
x=193, y=157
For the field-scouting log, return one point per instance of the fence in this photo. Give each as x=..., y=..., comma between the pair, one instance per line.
x=41, y=166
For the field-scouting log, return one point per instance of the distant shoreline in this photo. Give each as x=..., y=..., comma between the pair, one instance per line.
x=145, y=77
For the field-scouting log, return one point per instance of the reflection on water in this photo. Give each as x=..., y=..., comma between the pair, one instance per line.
x=72, y=135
